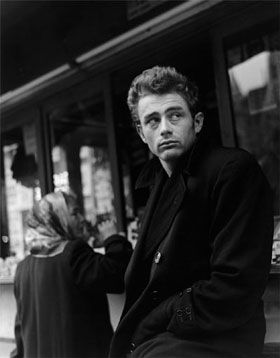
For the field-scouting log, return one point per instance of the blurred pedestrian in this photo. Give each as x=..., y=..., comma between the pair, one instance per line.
x=60, y=288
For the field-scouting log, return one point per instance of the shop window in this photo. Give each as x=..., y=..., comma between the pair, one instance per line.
x=254, y=77
x=134, y=154
x=80, y=158
x=19, y=190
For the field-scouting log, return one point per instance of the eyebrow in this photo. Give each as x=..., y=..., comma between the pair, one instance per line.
x=147, y=116
x=170, y=109
x=177, y=108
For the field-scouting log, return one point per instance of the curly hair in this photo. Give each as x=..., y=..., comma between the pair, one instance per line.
x=158, y=81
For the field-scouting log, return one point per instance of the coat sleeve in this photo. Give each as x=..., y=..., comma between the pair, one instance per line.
x=241, y=235
x=92, y=271
x=18, y=352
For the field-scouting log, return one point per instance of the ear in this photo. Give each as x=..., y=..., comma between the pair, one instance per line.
x=198, y=122
x=140, y=132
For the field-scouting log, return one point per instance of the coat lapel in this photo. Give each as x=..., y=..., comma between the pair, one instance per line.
x=154, y=230
x=164, y=215
x=150, y=206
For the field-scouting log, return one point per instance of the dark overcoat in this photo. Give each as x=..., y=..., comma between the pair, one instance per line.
x=62, y=308
x=195, y=282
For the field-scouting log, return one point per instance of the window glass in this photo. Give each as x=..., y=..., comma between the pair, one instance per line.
x=20, y=189
x=254, y=71
x=134, y=154
x=80, y=158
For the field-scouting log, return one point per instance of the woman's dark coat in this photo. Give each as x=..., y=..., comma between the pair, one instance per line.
x=62, y=308
x=195, y=281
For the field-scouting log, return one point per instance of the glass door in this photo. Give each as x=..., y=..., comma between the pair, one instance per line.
x=80, y=157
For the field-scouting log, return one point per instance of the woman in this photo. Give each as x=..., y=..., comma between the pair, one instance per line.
x=60, y=288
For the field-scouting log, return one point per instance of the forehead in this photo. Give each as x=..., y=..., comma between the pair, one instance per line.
x=152, y=103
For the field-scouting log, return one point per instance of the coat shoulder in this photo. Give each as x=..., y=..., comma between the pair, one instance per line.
x=219, y=157
x=223, y=155
x=233, y=161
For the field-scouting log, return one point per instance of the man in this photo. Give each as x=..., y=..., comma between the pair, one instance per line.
x=195, y=282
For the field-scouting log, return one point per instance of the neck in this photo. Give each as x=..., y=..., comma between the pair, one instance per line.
x=168, y=167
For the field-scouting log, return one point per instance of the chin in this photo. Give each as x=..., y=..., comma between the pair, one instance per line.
x=171, y=155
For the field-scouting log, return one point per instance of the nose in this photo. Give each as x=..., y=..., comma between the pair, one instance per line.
x=164, y=126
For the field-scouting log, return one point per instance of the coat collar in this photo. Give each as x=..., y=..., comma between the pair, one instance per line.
x=187, y=164
x=149, y=173
x=153, y=174
x=159, y=216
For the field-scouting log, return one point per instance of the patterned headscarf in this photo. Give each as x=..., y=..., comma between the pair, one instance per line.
x=48, y=223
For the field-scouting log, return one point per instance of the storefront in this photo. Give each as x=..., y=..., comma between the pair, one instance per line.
x=71, y=130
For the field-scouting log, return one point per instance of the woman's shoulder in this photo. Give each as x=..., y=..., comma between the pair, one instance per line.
x=24, y=262
x=22, y=268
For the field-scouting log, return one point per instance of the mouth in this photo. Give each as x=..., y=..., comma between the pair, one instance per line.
x=168, y=144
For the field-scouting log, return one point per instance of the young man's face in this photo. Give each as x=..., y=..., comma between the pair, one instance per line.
x=167, y=127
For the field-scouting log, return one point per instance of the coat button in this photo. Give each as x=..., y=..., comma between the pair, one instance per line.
x=131, y=347
x=180, y=315
x=179, y=312
x=155, y=295
x=157, y=257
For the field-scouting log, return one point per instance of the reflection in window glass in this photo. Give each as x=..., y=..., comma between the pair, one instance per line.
x=20, y=189
x=60, y=175
x=254, y=70
x=96, y=180
x=80, y=158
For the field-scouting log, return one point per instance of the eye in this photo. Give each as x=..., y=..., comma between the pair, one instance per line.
x=152, y=122
x=175, y=116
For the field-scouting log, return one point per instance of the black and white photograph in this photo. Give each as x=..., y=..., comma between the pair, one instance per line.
x=140, y=179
